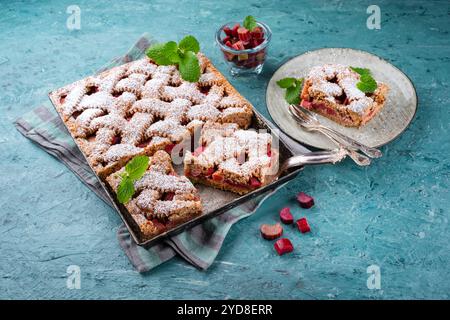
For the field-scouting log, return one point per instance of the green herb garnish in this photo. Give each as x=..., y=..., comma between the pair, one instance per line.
x=367, y=83
x=134, y=170
x=293, y=87
x=182, y=54
x=250, y=23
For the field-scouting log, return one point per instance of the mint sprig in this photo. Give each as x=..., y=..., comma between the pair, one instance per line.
x=182, y=54
x=367, y=83
x=293, y=87
x=250, y=23
x=134, y=170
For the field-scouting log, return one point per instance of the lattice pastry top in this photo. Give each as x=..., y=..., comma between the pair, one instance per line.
x=140, y=107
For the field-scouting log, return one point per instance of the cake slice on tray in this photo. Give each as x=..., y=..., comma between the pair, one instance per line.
x=162, y=199
x=335, y=91
x=232, y=159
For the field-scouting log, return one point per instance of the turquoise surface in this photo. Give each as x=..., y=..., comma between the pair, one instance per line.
x=393, y=214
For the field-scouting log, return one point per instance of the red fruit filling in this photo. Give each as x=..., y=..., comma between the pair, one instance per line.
x=306, y=104
x=269, y=150
x=76, y=114
x=209, y=172
x=255, y=183
x=305, y=200
x=216, y=176
x=318, y=106
x=158, y=224
x=205, y=89
x=62, y=98
x=92, y=90
x=302, y=225
x=168, y=196
x=116, y=140
x=286, y=216
x=271, y=232
x=143, y=144
x=169, y=147
x=283, y=246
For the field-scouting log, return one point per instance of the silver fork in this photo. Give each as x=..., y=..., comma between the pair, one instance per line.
x=310, y=121
x=358, y=158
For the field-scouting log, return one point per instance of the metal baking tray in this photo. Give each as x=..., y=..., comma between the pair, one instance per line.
x=215, y=202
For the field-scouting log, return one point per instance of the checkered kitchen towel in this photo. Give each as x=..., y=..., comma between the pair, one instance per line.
x=198, y=245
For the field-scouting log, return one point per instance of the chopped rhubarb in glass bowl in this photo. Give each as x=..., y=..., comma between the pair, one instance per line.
x=245, y=51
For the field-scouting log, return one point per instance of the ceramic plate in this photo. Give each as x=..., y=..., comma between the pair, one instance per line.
x=388, y=124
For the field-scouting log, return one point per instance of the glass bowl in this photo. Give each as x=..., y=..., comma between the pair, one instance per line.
x=246, y=61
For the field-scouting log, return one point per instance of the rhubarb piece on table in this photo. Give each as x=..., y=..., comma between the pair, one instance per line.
x=271, y=232
x=305, y=200
x=302, y=225
x=286, y=216
x=283, y=246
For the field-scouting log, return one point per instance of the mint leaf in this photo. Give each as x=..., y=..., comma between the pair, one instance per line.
x=125, y=190
x=293, y=87
x=189, y=43
x=137, y=167
x=292, y=95
x=250, y=23
x=189, y=67
x=170, y=51
x=360, y=71
x=158, y=53
x=286, y=82
x=367, y=84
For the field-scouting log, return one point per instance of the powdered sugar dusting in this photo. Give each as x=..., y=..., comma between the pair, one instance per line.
x=333, y=80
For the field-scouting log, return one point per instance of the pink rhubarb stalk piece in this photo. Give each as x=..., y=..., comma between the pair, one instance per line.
x=305, y=200
x=302, y=225
x=283, y=246
x=244, y=34
x=271, y=232
x=286, y=216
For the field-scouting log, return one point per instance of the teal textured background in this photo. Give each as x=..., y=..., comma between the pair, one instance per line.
x=393, y=214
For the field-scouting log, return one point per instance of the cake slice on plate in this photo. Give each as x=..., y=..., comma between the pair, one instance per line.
x=334, y=91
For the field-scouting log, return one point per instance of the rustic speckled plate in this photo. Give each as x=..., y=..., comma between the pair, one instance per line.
x=390, y=122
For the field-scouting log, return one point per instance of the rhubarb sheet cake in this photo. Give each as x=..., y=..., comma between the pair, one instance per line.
x=232, y=159
x=162, y=199
x=332, y=91
x=141, y=107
